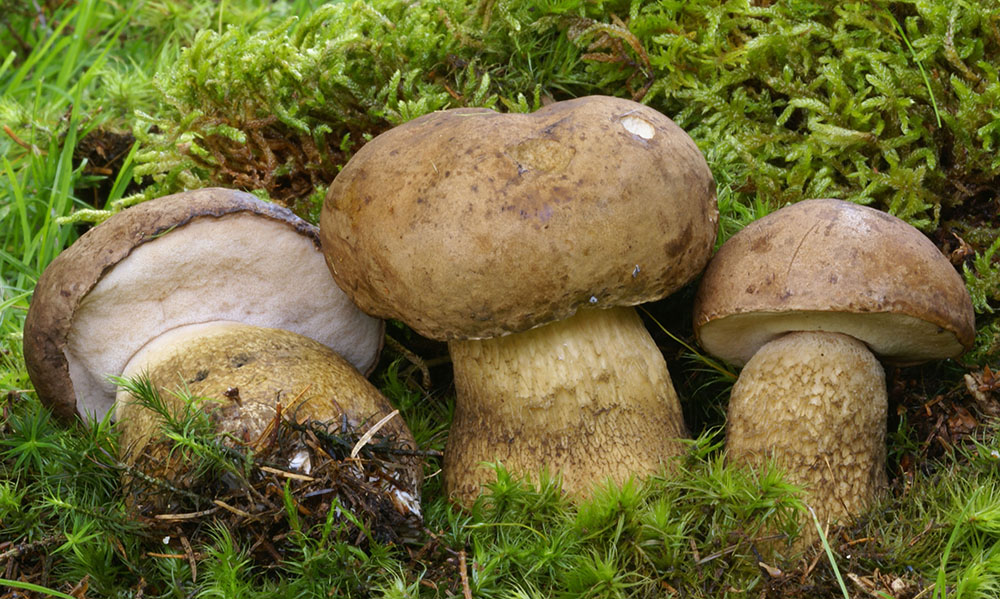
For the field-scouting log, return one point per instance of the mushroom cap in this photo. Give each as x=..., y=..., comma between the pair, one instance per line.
x=267, y=367
x=244, y=372
x=468, y=223
x=198, y=256
x=830, y=265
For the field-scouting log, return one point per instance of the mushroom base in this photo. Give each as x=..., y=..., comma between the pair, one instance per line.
x=815, y=403
x=588, y=397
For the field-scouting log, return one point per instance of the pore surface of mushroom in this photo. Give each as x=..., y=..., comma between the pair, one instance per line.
x=196, y=257
x=804, y=297
x=514, y=237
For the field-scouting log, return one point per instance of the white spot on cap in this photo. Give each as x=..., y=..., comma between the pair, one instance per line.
x=639, y=127
x=593, y=299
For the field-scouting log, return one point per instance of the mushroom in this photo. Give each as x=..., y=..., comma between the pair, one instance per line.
x=221, y=293
x=192, y=258
x=524, y=240
x=806, y=298
x=239, y=370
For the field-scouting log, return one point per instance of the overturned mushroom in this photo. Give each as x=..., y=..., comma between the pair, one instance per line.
x=523, y=240
x=804, y=297
x=192, y=258
x=211, y=290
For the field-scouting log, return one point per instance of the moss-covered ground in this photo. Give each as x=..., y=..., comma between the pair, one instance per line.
x=890, y=103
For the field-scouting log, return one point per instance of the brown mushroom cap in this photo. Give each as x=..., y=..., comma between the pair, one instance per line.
x=470, y=224
x=198, y=256
x=830, y=265
x=267, y=366
x=243, y=372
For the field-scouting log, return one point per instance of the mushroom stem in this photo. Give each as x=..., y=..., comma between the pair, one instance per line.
x=814, y=402
x=588, y=397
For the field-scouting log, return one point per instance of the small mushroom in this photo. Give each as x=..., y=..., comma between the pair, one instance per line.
x=806, y=298
x=192, y=258
x=524, y=240
x=248, y=377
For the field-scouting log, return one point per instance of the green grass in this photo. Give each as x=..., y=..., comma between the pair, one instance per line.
x=889, y=103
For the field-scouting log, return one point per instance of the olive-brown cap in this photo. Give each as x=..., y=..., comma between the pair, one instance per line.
x=830, y=265
x=198, y=256
x=246, y=377
x=468, y=223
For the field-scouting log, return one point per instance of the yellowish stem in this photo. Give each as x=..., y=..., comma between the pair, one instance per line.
x=588, y=397
x=816, y=403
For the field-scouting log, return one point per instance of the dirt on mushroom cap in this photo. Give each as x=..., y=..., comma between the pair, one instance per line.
x=471, y=224
x=290, y=413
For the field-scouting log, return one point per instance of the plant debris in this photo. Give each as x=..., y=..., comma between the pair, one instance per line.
x=298, y=479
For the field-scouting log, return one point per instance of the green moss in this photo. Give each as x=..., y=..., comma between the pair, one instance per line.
x=891, y=103
x=813, y=99
x=281, y=109
x=983, y=278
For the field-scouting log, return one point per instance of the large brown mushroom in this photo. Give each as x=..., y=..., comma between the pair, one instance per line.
x=806, y=298
x=523, y=240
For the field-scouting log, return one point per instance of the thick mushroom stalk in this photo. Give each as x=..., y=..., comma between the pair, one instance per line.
x=587, y=394
x=815, y=403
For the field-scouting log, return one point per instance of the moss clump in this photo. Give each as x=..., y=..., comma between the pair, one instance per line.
x=280, y=110
x=887, y=102
x=880, y=102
